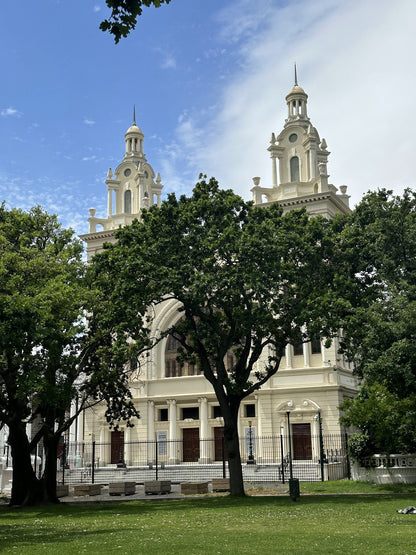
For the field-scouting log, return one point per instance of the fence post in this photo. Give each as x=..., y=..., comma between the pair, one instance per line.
x=63, y=462
x=347, y=459
x=156, y=459
x=290, y=446
x=92, y=462
x=223, y=455
x=283, y=461
x=321, y=447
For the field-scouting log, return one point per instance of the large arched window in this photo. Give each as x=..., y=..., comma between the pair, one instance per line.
x=294, y=169
x=174, y=368
x=127, y=202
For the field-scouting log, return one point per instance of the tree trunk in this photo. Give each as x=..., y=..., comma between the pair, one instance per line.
x=49, y=475
x=26, y=488
x=232, y=447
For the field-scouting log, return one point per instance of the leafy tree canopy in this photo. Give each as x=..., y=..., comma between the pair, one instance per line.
x=380, y=337
x=245, y=279
x=47, y=356
x=124, y=15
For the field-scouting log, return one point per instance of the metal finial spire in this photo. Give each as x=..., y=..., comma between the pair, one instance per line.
x=296, y=76
x=134, y=114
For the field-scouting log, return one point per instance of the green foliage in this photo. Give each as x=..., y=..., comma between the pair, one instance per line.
x=48, y=357
x=380, y=335
x=387, y=423
x=240, y=277
x=124, y=15
x=245, y=279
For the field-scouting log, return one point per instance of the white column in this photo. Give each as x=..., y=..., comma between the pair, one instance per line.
x=203, y=419
x=127, y=446
x=109, y=203
x=274, y=171
x=288, y=354
x=151, y=431
x=306, y=356
x=315, y=434
x=172, y=431
x=259, y=431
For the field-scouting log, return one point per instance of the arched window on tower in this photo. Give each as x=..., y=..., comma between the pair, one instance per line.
x=294, y=169
x=127, y=202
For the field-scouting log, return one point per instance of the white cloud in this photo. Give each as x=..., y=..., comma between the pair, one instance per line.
x=10, y=112
x=354, y=61
x=97, y=9
x=89, y=121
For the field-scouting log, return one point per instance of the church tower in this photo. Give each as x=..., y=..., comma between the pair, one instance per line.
x=302, y=179
x=132, y=187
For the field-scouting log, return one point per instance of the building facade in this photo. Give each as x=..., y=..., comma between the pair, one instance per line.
x=177, y=404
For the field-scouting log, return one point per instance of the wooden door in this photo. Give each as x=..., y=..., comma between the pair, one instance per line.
x=301, y=441
x=117, y=447
x=190, y=444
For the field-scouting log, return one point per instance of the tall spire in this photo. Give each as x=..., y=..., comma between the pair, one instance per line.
x=296, y=76
x=134, y=114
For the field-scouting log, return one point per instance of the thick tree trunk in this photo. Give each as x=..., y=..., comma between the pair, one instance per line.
x=49, y=475
x=232, y=447
x=26, y=488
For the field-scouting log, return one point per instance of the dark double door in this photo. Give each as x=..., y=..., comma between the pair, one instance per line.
x=190, y=439
x=301, y=442
x=117, y=447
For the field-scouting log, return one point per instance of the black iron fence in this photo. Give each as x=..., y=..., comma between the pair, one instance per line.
x=264, y=459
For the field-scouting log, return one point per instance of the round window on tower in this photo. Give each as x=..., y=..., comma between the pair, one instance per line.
x=293, y=138
x=127, y=172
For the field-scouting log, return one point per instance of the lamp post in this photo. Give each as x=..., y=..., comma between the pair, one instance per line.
x=250, y=459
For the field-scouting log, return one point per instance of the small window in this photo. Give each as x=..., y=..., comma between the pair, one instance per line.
x=216, y=412
x=250, y=410
x=190, y=412
x=316, y=348
x=298, y=349
x=163, y=415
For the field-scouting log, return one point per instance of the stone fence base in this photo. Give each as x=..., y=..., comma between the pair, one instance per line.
x=380, y=469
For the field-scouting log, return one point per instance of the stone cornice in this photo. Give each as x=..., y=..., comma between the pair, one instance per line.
x=97, y=235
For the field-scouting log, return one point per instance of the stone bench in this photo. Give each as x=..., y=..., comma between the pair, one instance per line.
x=87, y=489
x=192, y=488
x=220, y=484
x=155, y=487
x=122, y=488
x=62, y=490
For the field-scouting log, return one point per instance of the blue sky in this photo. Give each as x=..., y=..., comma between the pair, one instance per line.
x=209, y=79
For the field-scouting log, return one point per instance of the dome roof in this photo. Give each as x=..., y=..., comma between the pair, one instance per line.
x=296, y=90
x=134, y=129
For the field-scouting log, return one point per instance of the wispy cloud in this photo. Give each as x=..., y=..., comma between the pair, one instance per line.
x=89, y=121
x=97, y=9
x=169, y=62
x=350, y=71
x=6, y=112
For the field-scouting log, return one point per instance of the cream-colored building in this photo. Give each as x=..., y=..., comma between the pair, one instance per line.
x=178, y=403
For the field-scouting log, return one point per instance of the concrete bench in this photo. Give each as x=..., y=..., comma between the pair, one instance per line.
x=87, y=489
x=62, y=490
x=122, y=488
x=220, y=484
x=154, y=487
x=192, y=488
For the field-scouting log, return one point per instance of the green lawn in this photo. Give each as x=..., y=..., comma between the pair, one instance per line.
x=363, y=524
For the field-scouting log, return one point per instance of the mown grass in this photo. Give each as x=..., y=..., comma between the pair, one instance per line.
x=364, y=524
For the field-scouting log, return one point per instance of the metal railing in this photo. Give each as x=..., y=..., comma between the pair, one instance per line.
x=274, y=458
